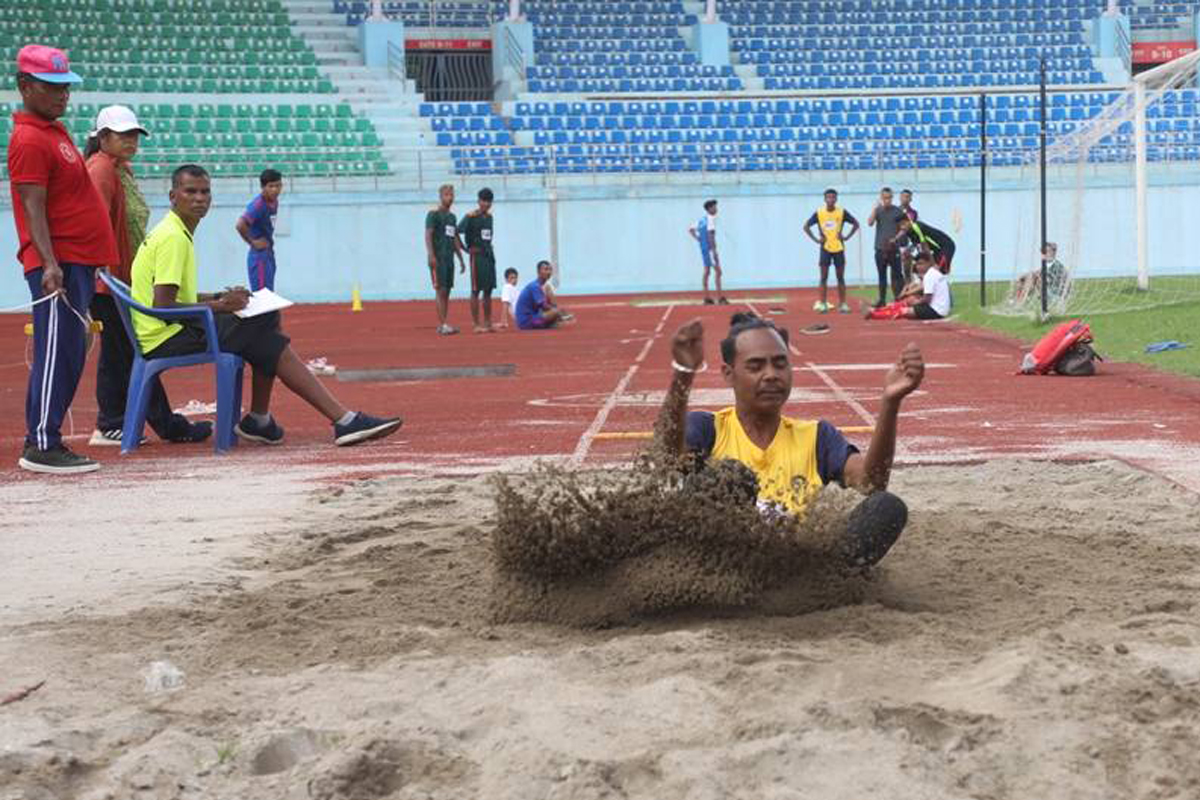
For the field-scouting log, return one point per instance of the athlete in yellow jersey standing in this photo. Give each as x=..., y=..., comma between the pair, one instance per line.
x=832, y=220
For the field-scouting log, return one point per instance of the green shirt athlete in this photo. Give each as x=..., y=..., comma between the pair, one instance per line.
x=477, y=230
x=441, y=246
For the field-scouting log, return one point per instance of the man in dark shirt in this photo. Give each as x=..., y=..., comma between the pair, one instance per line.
x=886, y=218
x=930, y=241
x=441, y=246
x=477, y=231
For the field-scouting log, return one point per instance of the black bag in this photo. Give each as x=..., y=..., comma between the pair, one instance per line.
x=1079, y=360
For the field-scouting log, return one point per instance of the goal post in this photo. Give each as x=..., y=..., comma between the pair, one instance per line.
x=1120, y=178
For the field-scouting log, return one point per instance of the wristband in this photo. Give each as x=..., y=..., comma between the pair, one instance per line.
x=681, y=368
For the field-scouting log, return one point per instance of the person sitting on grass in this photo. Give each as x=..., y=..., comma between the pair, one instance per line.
x=164, y=276
x=1029, y=285
x=931, y=301
x=535, y=307
x=790, y=458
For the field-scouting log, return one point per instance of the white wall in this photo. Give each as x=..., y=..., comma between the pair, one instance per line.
x=621, y=239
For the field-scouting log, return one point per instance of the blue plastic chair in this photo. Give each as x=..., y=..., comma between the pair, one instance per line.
x=228, y=369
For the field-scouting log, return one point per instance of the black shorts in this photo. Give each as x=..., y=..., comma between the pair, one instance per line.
x=925, y=311
x=258, y=340
x=837, y=259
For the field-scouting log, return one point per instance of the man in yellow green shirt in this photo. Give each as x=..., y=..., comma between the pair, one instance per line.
x=791, y=459
x=164, y=276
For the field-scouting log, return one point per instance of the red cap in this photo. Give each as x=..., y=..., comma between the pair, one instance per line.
x=46, y=64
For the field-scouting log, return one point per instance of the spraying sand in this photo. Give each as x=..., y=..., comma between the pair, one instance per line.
x=1029, y=636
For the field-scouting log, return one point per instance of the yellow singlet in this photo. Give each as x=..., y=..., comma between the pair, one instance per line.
x=831, y=228
x=790, y=458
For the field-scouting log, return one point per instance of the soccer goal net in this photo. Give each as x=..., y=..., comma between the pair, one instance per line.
x=1120, y=202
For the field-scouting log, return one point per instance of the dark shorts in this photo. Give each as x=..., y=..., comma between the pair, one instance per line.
x=707, y=257
x=445, y=274
x=258, y=340
x=534, y=323
x=838, y=260
x=925, y=311
x=483, y=273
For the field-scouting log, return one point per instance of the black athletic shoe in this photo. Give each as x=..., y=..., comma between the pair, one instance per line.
x=364, y=427
x=873, y=527
x=196, y=432
x=58, y=461
x=270, y=432
x=708, y=301
x=724, y=301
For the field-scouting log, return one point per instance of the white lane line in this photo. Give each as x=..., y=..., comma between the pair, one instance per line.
x=873, y=367
x=842, y=394
x=754, y=311
x=585, y=441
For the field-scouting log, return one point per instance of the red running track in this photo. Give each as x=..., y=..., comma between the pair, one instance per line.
x=585, y=392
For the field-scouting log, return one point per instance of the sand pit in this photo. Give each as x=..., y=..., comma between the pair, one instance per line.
x=1033, y=634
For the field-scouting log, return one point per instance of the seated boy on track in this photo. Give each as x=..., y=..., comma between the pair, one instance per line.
x=929, y=302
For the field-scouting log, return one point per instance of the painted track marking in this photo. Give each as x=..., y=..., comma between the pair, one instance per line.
x=838, y=391
x=585, y=441
x=842, y=394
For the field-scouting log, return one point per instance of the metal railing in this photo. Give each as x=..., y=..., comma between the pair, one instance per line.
x=515, y=54
x=439, y=13
x=1124, y=48
x=395, y=62
x=451, y=76
x=553, y=166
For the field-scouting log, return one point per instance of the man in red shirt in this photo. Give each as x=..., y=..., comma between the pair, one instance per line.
x=64, y=235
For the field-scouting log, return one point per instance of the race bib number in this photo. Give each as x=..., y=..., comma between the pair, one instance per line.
x=486, y=234
x=829, y=225
x=451, y=231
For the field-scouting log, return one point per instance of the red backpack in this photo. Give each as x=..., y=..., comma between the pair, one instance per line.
x=1054, y=345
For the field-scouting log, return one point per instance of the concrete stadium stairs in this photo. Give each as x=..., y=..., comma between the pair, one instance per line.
x=391, y=104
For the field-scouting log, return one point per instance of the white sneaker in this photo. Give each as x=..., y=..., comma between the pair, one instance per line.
x=110, y=438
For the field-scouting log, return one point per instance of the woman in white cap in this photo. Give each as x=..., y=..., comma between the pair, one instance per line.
x=109, y=150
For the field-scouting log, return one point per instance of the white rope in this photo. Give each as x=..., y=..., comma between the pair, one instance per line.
x=87, y=323
x=60, y=293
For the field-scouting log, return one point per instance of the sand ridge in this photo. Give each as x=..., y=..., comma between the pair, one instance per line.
x=1031, y=635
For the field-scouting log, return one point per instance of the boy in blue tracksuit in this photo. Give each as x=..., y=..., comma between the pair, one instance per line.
x=257, y=227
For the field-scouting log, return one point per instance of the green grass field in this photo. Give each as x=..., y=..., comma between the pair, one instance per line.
x=1120, y=335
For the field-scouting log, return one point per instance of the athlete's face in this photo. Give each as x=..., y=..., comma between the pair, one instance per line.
x=511, y=279
x=761, y=374
x=272, y=190
x=905, y=199
x=485, y=206
x=830, y=201
x=885, y=197
x=192, y=197
x=446, y=196
x=544, y=272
